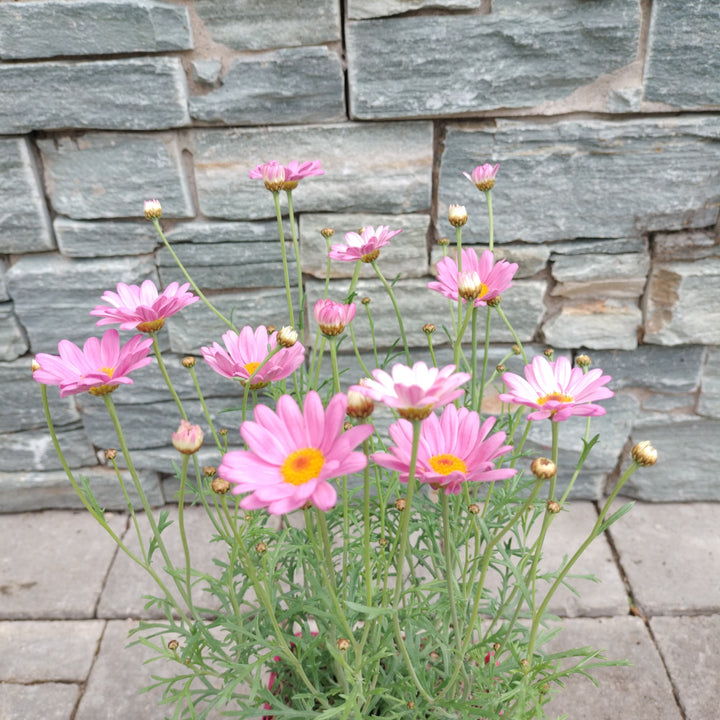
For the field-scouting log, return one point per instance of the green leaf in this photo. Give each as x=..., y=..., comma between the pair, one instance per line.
x=615, y=516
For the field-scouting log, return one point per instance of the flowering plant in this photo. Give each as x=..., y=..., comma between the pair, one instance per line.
x=379, y=548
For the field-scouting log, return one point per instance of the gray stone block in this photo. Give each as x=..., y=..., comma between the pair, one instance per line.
x=104, y=239
x=34, y=450
x=406, y=253
x=106, y=175
x=76, y=287
x=531, y=259
x=653, y=368
x=3, y=287
x=669, y=403
x=378, y=168
x=363, y=9
x=51, y=701
x=709, y=400
x=669, y=552
x=688, y=644
x=470, y=63
x=624, y=100
x=685, y=246
x=589, y=178
x=683, y=38
x=595, y=324
x=686, y=449
x=47, y=570
x=680, y=303
x=298, y=85
x=128, y=94
x=228, y=266
x=25, y=220
x=206, y=71
x=247, y=25
x=22, y=408
x=228, y=232
x=49, y=651
x=605, y=246
x=91, y=27
x=13, y=343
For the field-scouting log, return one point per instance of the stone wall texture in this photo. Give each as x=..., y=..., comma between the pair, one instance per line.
x=604, y=117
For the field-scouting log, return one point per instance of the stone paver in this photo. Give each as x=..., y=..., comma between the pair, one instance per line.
x=689, y=647
x=53, y=564
x=45, y=651
x=49, y=701
x=670, y=553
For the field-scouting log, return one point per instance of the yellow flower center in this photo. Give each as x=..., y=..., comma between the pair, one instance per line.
x=447, y=463
x=302, y=465
x=107, y=370
x=251, y=367
x=558, y=397
x=150, y=326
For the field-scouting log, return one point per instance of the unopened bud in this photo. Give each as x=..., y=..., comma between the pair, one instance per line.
x=444, y=241
x=543, y=468
x=188, y=362
x=457, y=215
x=411, y=704
x=474, y=509
x=188, y=439
x=220, y=486
x=358, y=405
x=400, y=504
x=496, y=647
x=500, y=369
x=34, y=365
x=644, y=454
x=494, y=302
x=347, y=426
x=553, y=507
x=110, y=454
x=469, y=285
x=365, y=300
x=342, y=644
x=583, y=361
x=548, y=353
x=525, y=665
x=261, y=548
x=173, y=645
x=270, y=329
x=545, y=689
x=516, y=350
x=152, y=209
x=287, y=337
x=429, y=329
x=327, y=233
x=223, y=432
x=382, y=542
x=209, y=471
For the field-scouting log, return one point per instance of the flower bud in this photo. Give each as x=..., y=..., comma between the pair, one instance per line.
x=644, y=454
x=457, y=215
x=429, y=329
x=382, y=542
x=365, y=300
x=543, y=468
x=270, y=329
x=553, y=507
x=469, y=285
x=188, y=362
x=358, y=405
x=548, y=353
x=342, y=644
x=583, y=361
x=494, y=302
x=188, y=439
x=173, y=645
x=474, y=509
x=327, y=233
x=209, y=471
x=347, y=426
x=152, y=209
x=411, y=704
x=34, y=365
x=496, y=647
x=400, y=504
x=500, y=369
x=110, y=454
x=525, y=665
x=261, y=548
x=220, y=486
x=287, y=337
x=516, y=350
x=223, y=432
x=444, y=241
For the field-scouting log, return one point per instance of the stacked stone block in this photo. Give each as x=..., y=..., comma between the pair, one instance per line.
x=605, y=118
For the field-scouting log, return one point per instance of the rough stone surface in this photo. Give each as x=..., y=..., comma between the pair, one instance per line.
x=3, y=287
x=104, y=239
x=248, y=25
x=25, y=225
x=91, y=27
x=690, y=637
x=641, y=690
x=531, y=259
x=709, y=400
x=76, y=287
x=48, y=651
x=50, y=701
x=12, y=338
x=228, y=232
x=687, y=449
x=295, y=85
x=363, y=9
x=507, y=59
x=681, y=303
x=46, y=570
x=681, y=33
x=406, y=253
x=669, y=570
x=106, y=175
x=129, y=94
x=589, y=178
x=604, y=246
x=378, y=168
x=624, y=100
x=655, y=368
x=206, y=71
x=34, y=449
x=685, y=246
x=595, y=324
x=592, y=276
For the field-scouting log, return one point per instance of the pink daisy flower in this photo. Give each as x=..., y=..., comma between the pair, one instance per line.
x=454, y=448
x=333, y=317
x=285, y=177
x=414, y=391
x=556, y=389
x=143, y=308
x=292, y=454
x=364, y=246
x=247, y=350
x=98, y=368
x=483, y=176
x=494, y=277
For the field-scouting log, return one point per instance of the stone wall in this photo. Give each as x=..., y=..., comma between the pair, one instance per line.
x=604, y=116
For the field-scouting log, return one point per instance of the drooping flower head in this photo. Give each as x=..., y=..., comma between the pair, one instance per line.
x=98, y=368
x=494, y=277
x=188, y=439
x=363, y=246
x=414, y=391
x=454, y=448
x=285, y=177
x=556, y=389
x=483, y=176
x=292, y=453
x=246, y=351
x=142, y=308
x=333, y=317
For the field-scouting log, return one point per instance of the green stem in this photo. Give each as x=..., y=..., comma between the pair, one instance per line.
x=458, y=239
x=390, y=292
x=512, y=330
x=432, y=350
x=485, y=359
x=296, y=249
x=372, y=335
x=488, y=196
x=333, y=359
x=181, y=525
x=448, y=547
x=286, y=273
x=166, y=376
x=353, y=282
x=204, y=406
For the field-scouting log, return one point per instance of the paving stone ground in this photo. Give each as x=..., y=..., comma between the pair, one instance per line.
x=68, y=600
